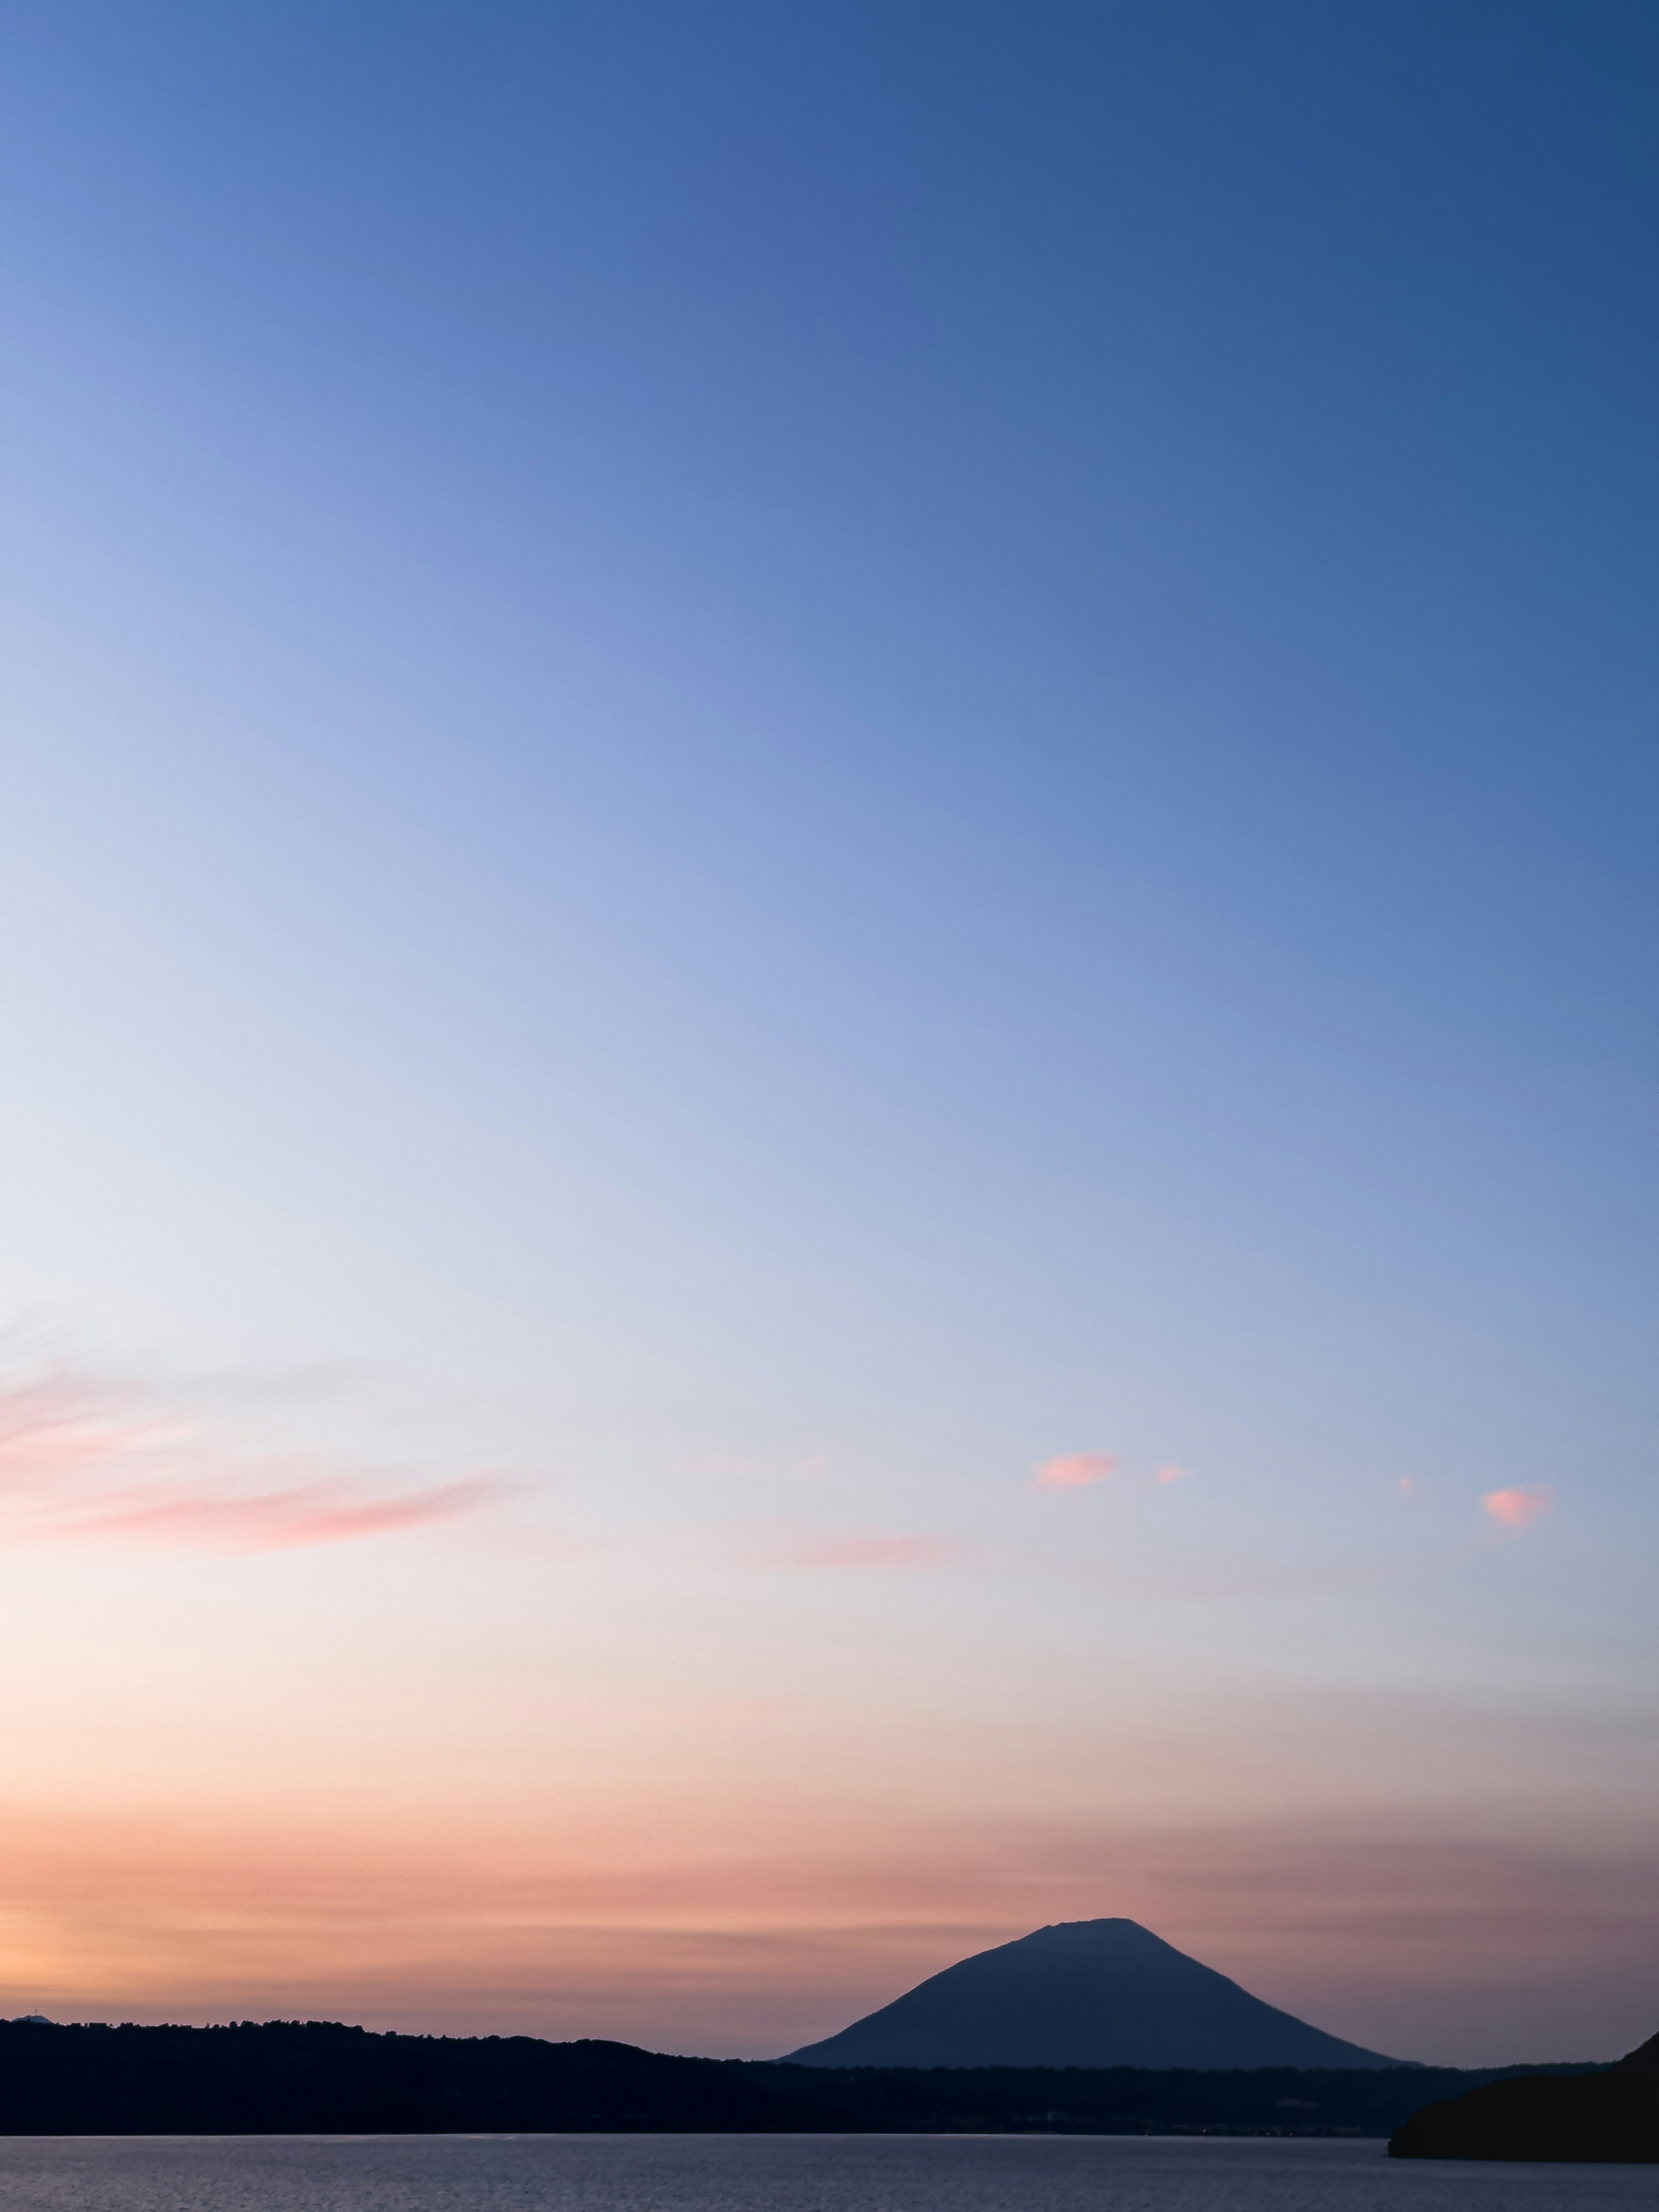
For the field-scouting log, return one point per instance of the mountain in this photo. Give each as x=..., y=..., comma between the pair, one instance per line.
x=1610, y=2116
x=1084, y=1993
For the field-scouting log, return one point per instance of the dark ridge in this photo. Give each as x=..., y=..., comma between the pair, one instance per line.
x=1084, y=1993
x=1608, y=2117
x=292, y=2077
x=315, y=2077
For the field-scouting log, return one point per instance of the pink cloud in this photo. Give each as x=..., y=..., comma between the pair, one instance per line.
x=1408, y=1488
x=1519, y=1509
x=1173, y=1474
x=865, y=1554
x=318, y=1512
x=85, y=1459
x=63, y=1425
x=1077, y=1470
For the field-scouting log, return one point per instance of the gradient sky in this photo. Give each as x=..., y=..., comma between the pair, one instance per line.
x=829, y=1051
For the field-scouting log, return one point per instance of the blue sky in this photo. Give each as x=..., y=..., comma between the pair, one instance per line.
x=766, y=762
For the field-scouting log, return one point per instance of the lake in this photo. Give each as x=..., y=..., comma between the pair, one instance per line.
x=775, y=2174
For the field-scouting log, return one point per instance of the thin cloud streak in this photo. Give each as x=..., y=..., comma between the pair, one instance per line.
x=83, y=1459
x=329, y=1511
x=864, y=1554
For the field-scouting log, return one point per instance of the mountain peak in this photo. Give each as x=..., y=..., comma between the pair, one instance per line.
x=1104, y=1992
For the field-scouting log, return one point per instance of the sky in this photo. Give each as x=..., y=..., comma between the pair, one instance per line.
x=829, y=1020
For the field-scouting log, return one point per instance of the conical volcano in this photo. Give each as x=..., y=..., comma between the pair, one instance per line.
x=1084, y=1993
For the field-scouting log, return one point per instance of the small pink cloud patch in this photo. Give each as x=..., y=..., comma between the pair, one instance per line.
x=1519, y=1509
x=1408, y=1488
x=1077, y=1470
x=1173, y=1474
x=866, y=1554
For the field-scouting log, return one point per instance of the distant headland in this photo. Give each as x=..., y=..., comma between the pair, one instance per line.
x=1608, y=2116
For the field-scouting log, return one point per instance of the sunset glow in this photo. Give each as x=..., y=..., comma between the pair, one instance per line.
x=827, y=866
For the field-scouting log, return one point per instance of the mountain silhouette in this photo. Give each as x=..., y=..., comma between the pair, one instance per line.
x=1084, y=1993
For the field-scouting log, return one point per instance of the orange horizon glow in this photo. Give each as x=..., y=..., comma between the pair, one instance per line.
x=226, y=1796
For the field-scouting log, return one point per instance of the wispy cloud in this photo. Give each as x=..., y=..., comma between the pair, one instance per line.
x=864, y=1554
x=86, y=1458
x=286, y=1518
x=1173, y=1474
x=1519, y=1509
x=1077, y=1470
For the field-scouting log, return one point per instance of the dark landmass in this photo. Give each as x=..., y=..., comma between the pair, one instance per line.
x=313, y=2077
x=1610, y=2116
x=1268, y=2100
x=292, y=2077
x=1084, y=1993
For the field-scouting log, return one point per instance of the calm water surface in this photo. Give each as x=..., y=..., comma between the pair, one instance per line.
x=775, y=2174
